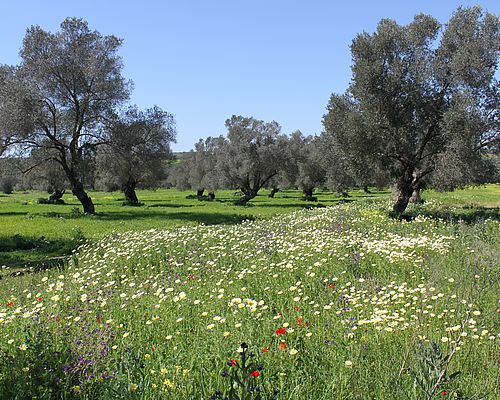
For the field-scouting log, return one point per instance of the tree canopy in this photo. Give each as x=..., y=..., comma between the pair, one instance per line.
x=68, y=85
x=138, y=145
x=251, y=155
x=202, y=163
x=419, y=94
x=301, y=165
x=422, y=109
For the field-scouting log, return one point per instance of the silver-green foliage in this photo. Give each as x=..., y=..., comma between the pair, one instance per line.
x=423, y=100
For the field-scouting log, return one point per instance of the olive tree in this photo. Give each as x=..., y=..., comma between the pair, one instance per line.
x=68, y=84
x=202, y=163
x=10, y=174
x=137, y=148
x=419, y=92
x=301, y=166
x=346, y=154
x=42, y=172
x=196, y=169
x=14, y=124
x=250, y=157
x=178, y=173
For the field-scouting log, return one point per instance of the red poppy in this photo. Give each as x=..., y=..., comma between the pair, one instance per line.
x=299, y=321
x=152, y=349
x=282, y=345
x=255, y=374
x=39, y=298
x=444, y=392
x=297, y=308
x=98, y=319
x=331, y=286
x=265, y=349
x=280, y=331
x=10, y=304
x=233, y=362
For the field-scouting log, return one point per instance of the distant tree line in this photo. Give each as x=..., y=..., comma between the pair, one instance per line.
x=422, y=110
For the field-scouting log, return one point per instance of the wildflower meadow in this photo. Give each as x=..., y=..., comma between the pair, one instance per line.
x=341, y=302
x=349, y=251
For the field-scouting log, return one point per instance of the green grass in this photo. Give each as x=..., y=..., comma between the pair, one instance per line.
x=33, y=234
x=361, y=301
x=486, y=196
x=31, y=231
x=470, y=205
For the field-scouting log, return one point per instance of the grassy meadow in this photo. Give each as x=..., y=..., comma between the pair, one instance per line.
x=282, y=299
x=32, y=231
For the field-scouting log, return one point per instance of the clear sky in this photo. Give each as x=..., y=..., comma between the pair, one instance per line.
x=206, y=60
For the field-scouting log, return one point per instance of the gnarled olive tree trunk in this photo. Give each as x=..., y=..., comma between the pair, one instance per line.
x=56, y=197
x=247, y=196
x=407, y=189
x=250, y=189
x=82, y=196
x=416, y=194
x=128, y=189
x=402, y=199
x=308, y=194
x=274, y=190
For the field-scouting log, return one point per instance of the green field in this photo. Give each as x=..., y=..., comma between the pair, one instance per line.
x=31, y=231
x=339, y=302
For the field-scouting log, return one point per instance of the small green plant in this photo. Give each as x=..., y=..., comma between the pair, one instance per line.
x=77, y=235
x=430, y=373
x=75, y=212
x=245, y=378
x=35, y=368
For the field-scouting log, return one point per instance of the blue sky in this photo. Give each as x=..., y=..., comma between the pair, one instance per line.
x=206, y=60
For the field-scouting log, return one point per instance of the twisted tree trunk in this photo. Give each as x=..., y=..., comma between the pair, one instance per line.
x=308, y=194
x=402, y=200
x=75, y=179
x=56, y=197
x=274, y=190
x=247, y=196
x=250, y=189
x=408, y=187
x=199, y=193
x=78, y=190
x=415, y=196
x=128, y=189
